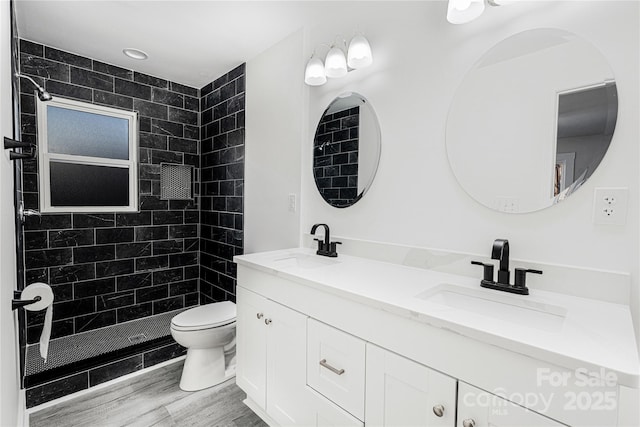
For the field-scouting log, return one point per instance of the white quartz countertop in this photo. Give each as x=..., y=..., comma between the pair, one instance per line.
x=572, y=332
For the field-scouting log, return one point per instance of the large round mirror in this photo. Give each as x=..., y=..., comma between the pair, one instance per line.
x=346, y=150
x=532, y=120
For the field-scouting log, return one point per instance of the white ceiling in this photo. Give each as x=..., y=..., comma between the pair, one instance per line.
x=189, y=42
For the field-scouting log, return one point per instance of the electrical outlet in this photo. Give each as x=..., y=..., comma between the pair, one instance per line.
x=610, y=206
x=292, y=202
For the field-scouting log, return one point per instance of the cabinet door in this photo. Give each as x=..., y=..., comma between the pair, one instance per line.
x=477, y=408
x=251, y=344
x=401, y=392
x=287, y=400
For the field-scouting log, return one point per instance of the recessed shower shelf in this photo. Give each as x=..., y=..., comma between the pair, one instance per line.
x=81, y=351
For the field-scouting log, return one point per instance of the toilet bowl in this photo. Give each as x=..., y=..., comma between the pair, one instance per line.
x=205, y=331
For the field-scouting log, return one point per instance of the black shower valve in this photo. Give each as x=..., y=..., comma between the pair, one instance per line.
x=10, y=144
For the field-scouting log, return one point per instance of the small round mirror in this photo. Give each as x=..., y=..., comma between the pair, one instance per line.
x=532, y=120
x=346, y=150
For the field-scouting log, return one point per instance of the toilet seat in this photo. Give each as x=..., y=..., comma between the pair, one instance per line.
x=207, y=316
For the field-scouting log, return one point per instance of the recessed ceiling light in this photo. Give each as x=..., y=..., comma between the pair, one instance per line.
x=135, y=53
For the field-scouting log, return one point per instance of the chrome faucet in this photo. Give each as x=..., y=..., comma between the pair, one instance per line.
x=500, y=251
x=326, y=248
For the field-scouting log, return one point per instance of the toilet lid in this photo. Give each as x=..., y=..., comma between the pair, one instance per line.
x=206, y=316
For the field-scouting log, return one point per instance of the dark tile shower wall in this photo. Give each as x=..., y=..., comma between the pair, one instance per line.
x=335, y=157
x=108, y=268
x=222, y=183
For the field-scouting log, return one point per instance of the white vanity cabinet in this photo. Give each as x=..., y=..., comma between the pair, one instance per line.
x=318, y=345
x=477, y=408
x=271, y=358
x=401, y=392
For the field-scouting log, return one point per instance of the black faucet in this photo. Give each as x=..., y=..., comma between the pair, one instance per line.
x=326, y=248
x=500, y=251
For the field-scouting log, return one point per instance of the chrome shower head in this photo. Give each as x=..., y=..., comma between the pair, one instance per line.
x=43, y=95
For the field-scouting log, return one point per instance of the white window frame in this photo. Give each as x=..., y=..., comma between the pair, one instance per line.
x=45, y=157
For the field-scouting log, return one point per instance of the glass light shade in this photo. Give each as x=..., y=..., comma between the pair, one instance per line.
x=359, y=53
x=462, y=4
x=314, y=74
x=335, y=64
x=462, y=16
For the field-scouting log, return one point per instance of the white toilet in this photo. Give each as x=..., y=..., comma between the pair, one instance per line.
x=205, y=331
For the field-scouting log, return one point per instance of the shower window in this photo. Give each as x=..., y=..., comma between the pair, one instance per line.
x=87, y=157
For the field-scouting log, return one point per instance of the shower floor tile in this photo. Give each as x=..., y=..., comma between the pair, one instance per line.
x=86, y=345
x=152, y=399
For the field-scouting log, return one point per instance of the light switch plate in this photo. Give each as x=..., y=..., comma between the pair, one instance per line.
x=292, y=202
x=610, y=205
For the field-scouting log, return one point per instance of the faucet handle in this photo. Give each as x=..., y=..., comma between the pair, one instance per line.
x=487, y=270
x=332, y=248
x=521, y=277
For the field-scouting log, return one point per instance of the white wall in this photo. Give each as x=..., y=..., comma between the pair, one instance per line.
x=419, y=62
x=10, y=402
x=274, y=136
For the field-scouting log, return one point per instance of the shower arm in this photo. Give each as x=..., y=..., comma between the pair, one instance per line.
x=43, y=95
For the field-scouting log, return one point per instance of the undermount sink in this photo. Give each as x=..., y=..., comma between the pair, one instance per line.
x=306, y=261
x=494, y=304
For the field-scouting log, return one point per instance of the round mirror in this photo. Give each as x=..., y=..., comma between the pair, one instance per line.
x=532, y=120
x=346, y=150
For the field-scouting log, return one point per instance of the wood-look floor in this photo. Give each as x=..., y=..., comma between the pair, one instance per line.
x=152, y=399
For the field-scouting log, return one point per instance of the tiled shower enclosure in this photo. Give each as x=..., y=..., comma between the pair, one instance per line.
x=109, y=268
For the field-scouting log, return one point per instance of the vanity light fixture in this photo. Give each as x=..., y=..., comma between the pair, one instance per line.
x=359, y=54
x=135, y=53
x=314, y=74
x=463, y=11
x=336, y=65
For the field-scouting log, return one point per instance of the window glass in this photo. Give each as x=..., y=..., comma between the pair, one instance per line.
x=88, y=185
x=87, y=134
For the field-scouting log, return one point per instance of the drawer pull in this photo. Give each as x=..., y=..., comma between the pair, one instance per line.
x=259, y=315
x=267, y=321
x=324, y=364
x=469, y=423
x=438, y=410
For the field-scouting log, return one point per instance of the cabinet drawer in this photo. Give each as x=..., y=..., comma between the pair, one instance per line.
x=336, y=366
x=328, y=414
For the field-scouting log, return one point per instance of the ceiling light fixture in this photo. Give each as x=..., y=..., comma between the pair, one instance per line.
x=336, y=65
x=135, y=53
x=463, y=11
